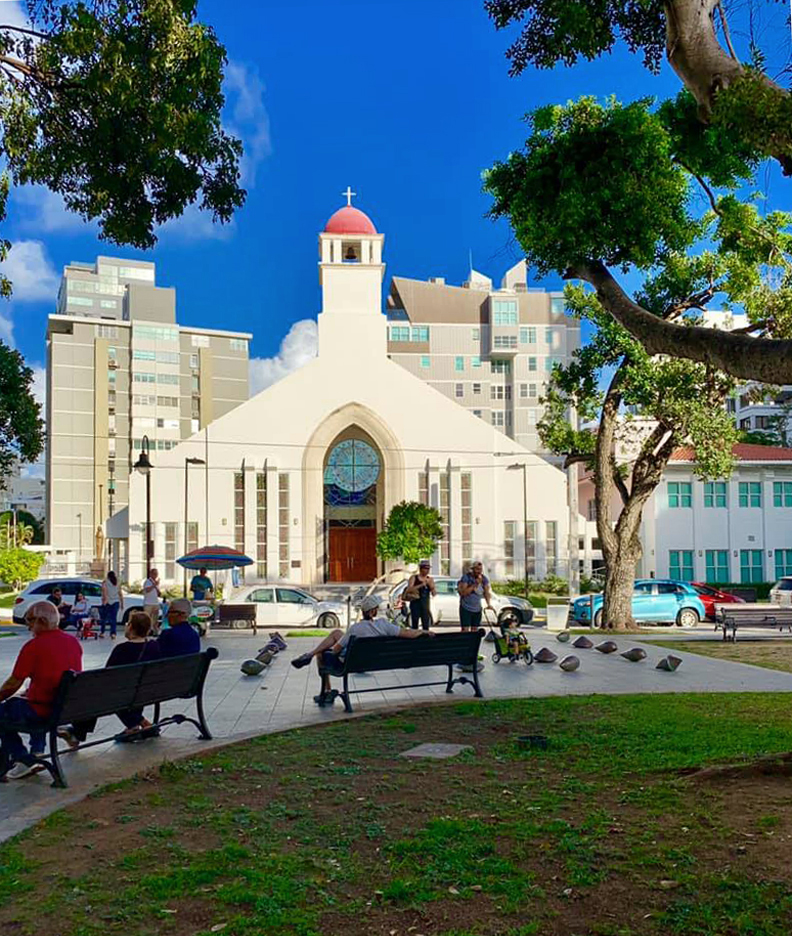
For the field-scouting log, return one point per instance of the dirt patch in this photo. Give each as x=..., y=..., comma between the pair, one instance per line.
x=770, y=654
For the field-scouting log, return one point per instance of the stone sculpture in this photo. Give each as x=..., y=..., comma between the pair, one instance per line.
x=545, y=656
x=563, y=637
x=635, y=655
x=669, y=664
x=569, y=664
x=609, y=646
x=583, y=643
x=252, y=668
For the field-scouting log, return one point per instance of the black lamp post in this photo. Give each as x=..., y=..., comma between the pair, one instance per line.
x=144, y=466
x=187, y=463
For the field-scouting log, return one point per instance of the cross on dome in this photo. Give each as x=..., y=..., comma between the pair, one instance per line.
x=349, y=195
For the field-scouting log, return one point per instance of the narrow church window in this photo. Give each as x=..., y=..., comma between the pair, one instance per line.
x=530, y=549
x=283, y=526
x=508, y=547
x=423, y=487
x=466, y=480
x=261, y=525
x=445, y=519
x=239, y=513
x=551, y=547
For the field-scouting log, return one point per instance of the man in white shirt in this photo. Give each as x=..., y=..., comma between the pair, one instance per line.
x=151, y=599
x=330, y=652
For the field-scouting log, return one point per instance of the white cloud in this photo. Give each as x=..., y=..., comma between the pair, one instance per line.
x=32, y=275
x=246, y=117
x=45, y=212
x=6, y=328
x=194, y=225
x=297, y=349
x=12, y=13
x=40, y=384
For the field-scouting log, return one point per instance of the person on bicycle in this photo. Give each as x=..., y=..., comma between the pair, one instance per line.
x=419, y=592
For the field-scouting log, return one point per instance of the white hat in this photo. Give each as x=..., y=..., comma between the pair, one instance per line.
x=369, y=603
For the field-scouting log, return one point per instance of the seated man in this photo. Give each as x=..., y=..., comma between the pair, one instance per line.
x=56, y=598
x=331, y=651
x=180, y=637
x=43, y=659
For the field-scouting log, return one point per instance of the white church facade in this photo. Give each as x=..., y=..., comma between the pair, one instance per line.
x=303, y=475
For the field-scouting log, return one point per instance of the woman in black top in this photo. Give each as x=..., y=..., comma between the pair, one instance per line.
x=419, y=592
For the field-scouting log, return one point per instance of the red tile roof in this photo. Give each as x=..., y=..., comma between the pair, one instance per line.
x=742, y=452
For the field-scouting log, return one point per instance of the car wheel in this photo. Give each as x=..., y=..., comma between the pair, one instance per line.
x=328, y=620
x=687, y=617
x=598, y=618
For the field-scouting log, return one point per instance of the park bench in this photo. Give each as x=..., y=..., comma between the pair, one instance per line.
x=374, y=654
x=92, y=694
x=236, y=615
x=728, y=617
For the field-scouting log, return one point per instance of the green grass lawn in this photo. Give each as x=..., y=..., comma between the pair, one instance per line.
x=328, y=831
x=771, y=654
x=7, y=599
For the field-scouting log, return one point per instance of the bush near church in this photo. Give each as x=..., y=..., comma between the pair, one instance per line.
x=412, y=532
x=19, y=566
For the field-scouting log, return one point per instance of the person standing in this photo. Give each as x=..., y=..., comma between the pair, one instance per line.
x=43, y=660
x=201, y=586
x=473, y=587
x=112, y=604
x=151, y=599
x=419, y=592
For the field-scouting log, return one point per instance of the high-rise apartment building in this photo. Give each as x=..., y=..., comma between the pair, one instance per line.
x=490, y=350
x=119, y=368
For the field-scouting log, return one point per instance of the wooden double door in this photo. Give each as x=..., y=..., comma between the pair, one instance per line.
x=352, y=554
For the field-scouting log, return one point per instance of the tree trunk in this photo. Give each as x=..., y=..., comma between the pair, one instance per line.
x=619, y=580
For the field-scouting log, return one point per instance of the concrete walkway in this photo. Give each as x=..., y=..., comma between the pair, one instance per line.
x=239, y=707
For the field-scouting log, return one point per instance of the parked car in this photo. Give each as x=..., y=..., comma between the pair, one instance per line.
x=289, y=606
x=445, y=605
x=781, y=592
x=659, y=601
x=92, y=589
x=710, y=596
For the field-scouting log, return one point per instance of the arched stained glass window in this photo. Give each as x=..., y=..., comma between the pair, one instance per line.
x=352, y=466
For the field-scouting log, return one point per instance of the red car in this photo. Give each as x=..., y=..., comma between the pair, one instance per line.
x=711, y=596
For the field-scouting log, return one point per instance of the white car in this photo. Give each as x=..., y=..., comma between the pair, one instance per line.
x=41, y=589
x=781, y=592
x=445, y=604
x=289, y=606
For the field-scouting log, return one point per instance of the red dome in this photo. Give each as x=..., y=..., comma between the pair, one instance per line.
x=350, y=220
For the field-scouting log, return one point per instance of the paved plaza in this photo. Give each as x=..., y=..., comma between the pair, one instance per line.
x=239, y=706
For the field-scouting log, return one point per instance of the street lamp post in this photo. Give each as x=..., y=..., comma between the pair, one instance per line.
x=143, y=466
x=79, y=538
x=187, y=463
x=521, y=466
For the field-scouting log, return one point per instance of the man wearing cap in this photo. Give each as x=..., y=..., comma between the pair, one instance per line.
x=419, y=592
x=180, y=637
x=331, y=651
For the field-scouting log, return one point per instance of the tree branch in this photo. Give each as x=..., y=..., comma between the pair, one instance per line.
x=23, y=29
x=726, y=33
x=576, y=458
x=767, y=360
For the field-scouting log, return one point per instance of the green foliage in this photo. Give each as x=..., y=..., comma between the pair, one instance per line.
x=594, y=182
x=21, y=426
x=411, y=532
x=19, y=566
x=117, y=106
x=28, y=528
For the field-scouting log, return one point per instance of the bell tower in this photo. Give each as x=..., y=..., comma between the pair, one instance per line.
x=351, y=272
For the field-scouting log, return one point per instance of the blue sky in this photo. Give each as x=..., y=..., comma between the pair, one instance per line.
x=405, y=101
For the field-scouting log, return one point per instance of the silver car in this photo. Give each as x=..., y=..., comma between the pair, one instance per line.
x=445, y=604
x=289, y=606
x=41, y=589
x=781, y=592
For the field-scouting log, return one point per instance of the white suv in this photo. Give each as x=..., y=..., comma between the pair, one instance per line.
x=90, y=588
x=781, y=592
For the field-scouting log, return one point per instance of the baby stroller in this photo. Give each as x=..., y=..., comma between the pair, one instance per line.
x=88, y=626
x=511, y=643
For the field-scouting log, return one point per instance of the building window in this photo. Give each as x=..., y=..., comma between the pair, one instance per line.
x=170, y=551
x=750, y=494
x=106, y=331
x=504, y=312
x=532, y=416
x=195, y=383
x=261, y=525
x=419, y=333
x=497, y=418
x=782, y=493
x=399, y=333
x=195, y=425
x=745, y=424
x=80, y=301
x=475, y=361
x=763, y=422
x=423, y=487
x=466, y=484
x=425, y=360
x=592, y=509
x=680, y=565
x=527, y=336
x=477, y=388
x=459, y=363
x=111, y=376
x=680, y=494
x=557, y=305
x=505, y=341
x=530, y=549
x=500, y=391
x=168, y=378
x=283, y=526
x=508, y=547
x=500, y=367
x=200, y=341
x=140, y=355
x=717, y=565
x=551, y=547
x=445, y=523
x=783, y=562
x=144, y=378
x=194, y=361
x=477, y=412
x=459, y=390
x=476, y=335
x=531, y=363
x=751, y=566
x=523, y=391
x=238, y=344
x=239, y=511
x=155, y=332
x=715, y=494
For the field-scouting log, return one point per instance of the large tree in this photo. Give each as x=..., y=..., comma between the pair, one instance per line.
x=629, y=166
x=21, y=427
x=675, y=402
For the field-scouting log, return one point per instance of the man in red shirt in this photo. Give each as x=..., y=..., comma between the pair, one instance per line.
x=43, y=660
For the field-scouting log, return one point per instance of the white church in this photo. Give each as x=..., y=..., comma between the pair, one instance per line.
x=303, y=475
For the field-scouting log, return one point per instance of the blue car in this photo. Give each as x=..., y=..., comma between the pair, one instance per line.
x=661, y=601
